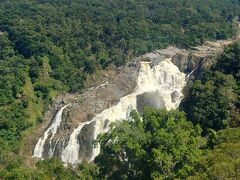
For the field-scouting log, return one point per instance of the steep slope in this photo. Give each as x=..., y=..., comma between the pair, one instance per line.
x=156, y=79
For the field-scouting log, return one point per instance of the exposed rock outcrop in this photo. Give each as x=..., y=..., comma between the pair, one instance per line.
x=83, y=107
x=188, y=60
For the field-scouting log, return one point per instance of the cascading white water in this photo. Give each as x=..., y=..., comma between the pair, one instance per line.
x=71, y=151
x=39, y=148
x=164, y=80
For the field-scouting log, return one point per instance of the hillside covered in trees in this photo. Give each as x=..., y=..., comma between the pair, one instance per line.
x=199, y=142
x=52, y=46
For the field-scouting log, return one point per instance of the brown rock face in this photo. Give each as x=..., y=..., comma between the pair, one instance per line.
x=83, y=107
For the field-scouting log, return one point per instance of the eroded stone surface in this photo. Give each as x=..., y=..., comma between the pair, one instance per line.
x=83, y=107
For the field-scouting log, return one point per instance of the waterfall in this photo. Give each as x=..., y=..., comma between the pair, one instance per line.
x=160, y=86
x=39, y=148
x=71, y=151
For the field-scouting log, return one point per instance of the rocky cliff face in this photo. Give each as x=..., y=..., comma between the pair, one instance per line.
x=188, y=60
x=83, y=107
x=82, y=116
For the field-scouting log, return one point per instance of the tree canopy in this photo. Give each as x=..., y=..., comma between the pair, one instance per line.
x=51, y=46
x=161, y=145
x=214, y=98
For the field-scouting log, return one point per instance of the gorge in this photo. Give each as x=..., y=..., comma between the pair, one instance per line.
x=156, y=79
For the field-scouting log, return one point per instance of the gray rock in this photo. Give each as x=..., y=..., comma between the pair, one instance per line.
x=152, y=99
x=121, y=82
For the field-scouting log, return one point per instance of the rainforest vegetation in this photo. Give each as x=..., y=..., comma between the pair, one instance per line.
x=52, y=46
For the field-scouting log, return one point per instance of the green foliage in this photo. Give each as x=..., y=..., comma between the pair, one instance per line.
x=54, y=169
x=50, y=46
x=214, y=98
x=46, y=169
x=162, y=145
x=87, y=171
x=231, y=135
x=49, y=169
x=211, y=100
x=223, y=162
x=73, y=32
x=213, y=103
x=229, y=61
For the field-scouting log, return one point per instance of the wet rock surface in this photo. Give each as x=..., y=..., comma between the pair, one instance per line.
x=83, y=107
x=149, y=99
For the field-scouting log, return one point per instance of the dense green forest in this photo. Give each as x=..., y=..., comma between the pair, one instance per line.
x=52, y=46
x=201, y=141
